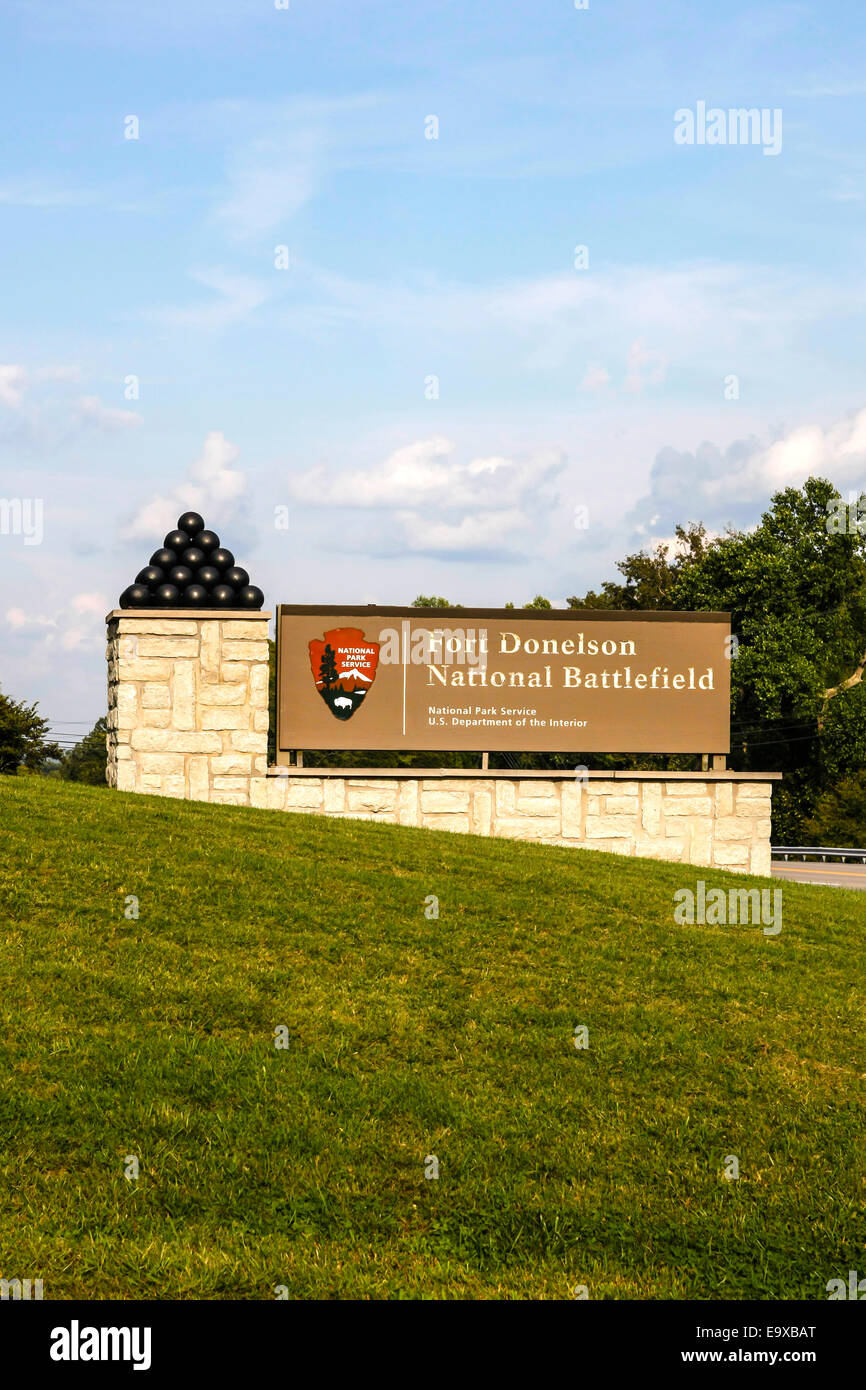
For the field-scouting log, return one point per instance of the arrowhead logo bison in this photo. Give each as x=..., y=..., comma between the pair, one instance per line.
x=344, y=667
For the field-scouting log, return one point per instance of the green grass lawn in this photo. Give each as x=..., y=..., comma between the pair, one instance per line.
x=410, y=1037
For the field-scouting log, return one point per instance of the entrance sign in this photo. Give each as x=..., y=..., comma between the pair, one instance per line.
x=496, y=679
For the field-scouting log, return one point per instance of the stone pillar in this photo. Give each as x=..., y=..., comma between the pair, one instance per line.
x=187, y=703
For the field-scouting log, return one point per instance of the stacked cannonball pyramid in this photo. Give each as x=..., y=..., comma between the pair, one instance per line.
x=192, y=571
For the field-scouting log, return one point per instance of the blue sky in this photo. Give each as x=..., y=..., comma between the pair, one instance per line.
x=606, y=387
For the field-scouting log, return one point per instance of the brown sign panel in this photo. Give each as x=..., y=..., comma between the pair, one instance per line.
x=495, y=679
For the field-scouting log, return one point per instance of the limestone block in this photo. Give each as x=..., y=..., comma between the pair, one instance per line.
x=123, y=751
x=302, y=793
x=454, y=822
x=447, y=784
x=725, y=856
x=482, y=813
x=223, y=717
x=183, y=695
x=594, y=804
x=259, y=792
x=701, y=840
x=444, y=801
x=153, y=669
x=246, y=742
x=571, y=803
x=408, y=796
x=277, y=788
x=155, y=719
x=601, y=788
x=651, y=794
x=199, y=777
x=126, y=706
x=231, y=784
x=724, y=799
x=334, y=795
x=175, y=741
x=651, y=818
x=261, y=721
x=157, y=627
x=687, y=806
x=245, y=627
x=173, y=786
x=209, y=654
x=621, y=805
x=733, y=828
x=258, y=686
x=686, y=788
x=260, y=765
x=168, y=646
x=760, y=860
x=127, y=649
x=155, y=696
x=627, y=788
x=609, y=827
x=525, y=827
x=229, y=763
x=538, y=787
x=125, y=777
x=234, y=671
x=225, y=694
x=652, y=848
x=221, y=798
x=371, y=799
x=245, y=650
x=754, y=791
x=537, y=806
x=377, y=783
x=506, y=798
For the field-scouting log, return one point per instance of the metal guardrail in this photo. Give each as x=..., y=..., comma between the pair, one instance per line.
x=822, y=852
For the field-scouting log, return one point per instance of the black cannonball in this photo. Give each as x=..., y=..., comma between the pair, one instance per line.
x=178, y=541
x=237, y=577
x=180, y=575
x=195, y=596
x=136, y=596
x=208, y=575
x=151, y=575
x=192, y=557
x=223, y=559
x=208, y=541
x=163, y=559
x=167, y=596
x=222, y=596
x=190, y=522
x=250, y=597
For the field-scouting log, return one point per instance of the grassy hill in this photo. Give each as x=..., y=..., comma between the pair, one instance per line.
x=409, y=1037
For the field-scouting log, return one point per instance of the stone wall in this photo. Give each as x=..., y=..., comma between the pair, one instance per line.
x=720, y=819
x=188, y=717
x=187, y=704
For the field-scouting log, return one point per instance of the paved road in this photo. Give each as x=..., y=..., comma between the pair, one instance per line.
x=834, y=875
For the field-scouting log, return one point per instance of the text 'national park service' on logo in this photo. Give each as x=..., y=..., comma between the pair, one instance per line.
x=344, y=667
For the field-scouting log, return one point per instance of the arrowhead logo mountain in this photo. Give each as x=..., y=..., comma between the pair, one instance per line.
x=344, y=665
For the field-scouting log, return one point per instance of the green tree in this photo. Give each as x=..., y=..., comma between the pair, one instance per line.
x=86, y=762
x=423, y=602
x=24, y=741
x=839, y=815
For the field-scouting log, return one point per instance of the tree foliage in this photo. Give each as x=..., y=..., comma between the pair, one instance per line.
x=86, y=762
x=24, y=741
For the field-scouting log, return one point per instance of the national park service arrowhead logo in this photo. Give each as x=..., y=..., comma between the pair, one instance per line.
x=344, y=667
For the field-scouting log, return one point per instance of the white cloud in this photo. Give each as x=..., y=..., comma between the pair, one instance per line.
x=13, y=382
x=645, y=367
x=78, y=624
x=433, y=503
x=238, y=297
x=595, y=378
x=720, y=486
x=92, y=412
x=213, y=488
